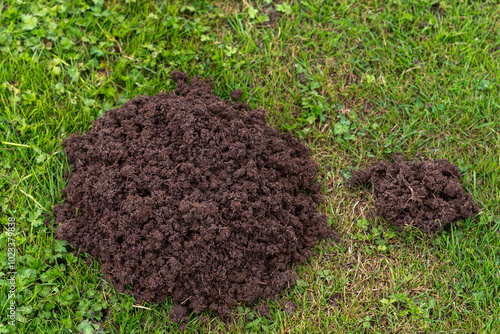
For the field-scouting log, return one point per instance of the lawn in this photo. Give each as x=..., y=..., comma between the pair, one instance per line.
x=355, y=80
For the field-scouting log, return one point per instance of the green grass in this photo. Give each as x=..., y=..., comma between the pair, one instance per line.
x=356, y=80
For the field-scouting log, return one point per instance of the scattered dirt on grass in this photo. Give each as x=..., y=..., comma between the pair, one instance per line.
x=424, y=24
x=272, y=14
x=367, y=108
x=427, y=195
x=438, y=8
x=178, y=313
x=333, y=300
x=264, y=310
x=183, y=195
x=302, y=77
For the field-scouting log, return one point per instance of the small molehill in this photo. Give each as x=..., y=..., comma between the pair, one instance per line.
x=427, y=195
x=187, y=196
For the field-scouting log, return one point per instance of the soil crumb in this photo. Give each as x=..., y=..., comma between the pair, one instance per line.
x=427, y=195
x=236, y=94
x=178, y=313
x=188, y=196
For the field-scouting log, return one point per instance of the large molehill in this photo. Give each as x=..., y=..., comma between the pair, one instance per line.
x=183, y=195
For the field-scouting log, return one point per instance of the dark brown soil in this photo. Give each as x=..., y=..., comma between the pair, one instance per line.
x=426, y=195
x=182, y=195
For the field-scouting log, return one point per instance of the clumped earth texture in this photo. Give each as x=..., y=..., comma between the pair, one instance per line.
x=188, y=196
x=427, y=195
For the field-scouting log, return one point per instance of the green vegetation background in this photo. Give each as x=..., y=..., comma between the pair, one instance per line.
x=356, y=80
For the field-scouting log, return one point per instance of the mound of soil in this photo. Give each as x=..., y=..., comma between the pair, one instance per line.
x=426, y=195
x=183, y=195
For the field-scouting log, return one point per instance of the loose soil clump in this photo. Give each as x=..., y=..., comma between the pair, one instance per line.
x=188, y=196
x=427, y=195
